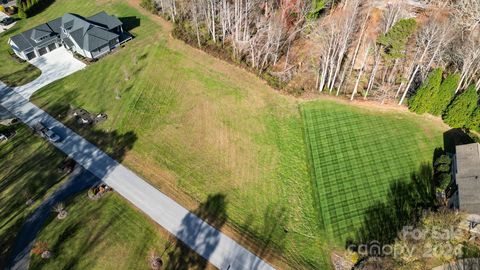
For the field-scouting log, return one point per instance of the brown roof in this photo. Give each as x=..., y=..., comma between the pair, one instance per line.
x=468, y=177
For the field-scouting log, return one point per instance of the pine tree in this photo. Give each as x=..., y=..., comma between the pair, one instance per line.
x=474, y=122
x=395, y=40
x=459, y=113
x=445, y=94
x=422, y=101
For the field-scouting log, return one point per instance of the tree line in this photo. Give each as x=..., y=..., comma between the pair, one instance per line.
x=360, y=49
x=439, y=96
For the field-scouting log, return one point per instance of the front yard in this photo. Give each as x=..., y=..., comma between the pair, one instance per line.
x=103, y=234
x=28, y=172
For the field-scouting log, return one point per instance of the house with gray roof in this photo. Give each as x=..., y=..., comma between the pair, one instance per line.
x=90, y=37
x=467, y=177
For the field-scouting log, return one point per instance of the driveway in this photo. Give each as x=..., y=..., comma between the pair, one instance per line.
x=77, y=182
x=54, y=65
x=222, y=252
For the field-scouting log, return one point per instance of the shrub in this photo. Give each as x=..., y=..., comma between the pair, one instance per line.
x=422, y=101
x=444, y=180
x=443, y=159
x=445, y=94
x=442, y=168
x=459, y=113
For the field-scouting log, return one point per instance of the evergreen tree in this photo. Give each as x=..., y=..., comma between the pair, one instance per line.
x=474, y=122
x=445, y=94
x=395, y=40
x=460, y=111
x=422, y=101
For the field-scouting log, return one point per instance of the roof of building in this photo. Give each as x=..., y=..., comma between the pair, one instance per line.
x=89, y=33
x=32, y=37
x=105, y=20
x=468, y=177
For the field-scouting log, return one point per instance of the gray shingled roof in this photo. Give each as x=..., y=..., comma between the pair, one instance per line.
x=86, y=34
x=105, y=20
x=468, y=177
x=89, y=34
x=26, y=40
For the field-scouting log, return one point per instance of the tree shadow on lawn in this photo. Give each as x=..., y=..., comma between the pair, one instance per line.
x=404, y=205
x=213, y=212
x=269, y=239
x=113, y=143
x=22, y=76
x=86, y=247
x=16, y=192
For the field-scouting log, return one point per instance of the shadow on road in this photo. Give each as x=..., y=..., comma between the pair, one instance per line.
x=213, y=212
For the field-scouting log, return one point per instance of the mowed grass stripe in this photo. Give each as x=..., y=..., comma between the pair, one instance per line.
x=356, y=155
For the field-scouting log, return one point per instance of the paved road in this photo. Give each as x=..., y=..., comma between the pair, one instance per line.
x=77, y=182
x=54, y=65
x=219, y=249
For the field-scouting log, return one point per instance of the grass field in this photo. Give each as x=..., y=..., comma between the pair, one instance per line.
x=27, y=170
x=12, y=72
x=356, y=155
x=204, y=127
x=103, y=234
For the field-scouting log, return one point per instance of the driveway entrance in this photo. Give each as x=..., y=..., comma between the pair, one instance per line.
x=54, y=65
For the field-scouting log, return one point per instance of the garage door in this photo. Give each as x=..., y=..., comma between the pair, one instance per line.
x=52, y=47
x=42, y=51
x=31, y=55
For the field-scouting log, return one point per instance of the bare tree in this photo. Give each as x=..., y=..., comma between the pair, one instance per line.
x=333, y=37
x=431, y=39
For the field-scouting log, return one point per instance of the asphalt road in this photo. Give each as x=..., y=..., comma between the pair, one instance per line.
x=216, y=247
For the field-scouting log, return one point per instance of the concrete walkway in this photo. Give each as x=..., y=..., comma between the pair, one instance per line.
x=219, y=249
x=77, y=182
x=54, y=65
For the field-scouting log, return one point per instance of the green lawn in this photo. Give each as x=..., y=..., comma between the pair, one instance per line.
x=196, y=126
x=356, y=156
x=28, y=169
x=12, y=71
x=103, y=234
x=201, y=128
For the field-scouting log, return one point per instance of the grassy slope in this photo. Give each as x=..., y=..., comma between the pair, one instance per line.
x=356, y=155
x=12, y=72
x=28, y=167
x=203, y=127
x=103, y=234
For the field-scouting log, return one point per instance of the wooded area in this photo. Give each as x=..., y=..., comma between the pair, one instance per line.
x=368, y=49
